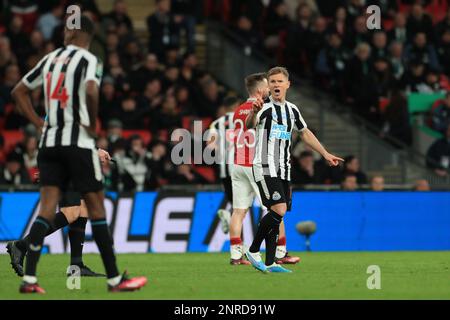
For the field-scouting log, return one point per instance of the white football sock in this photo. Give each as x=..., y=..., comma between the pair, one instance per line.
x=29, y=279
x=236, y=251
x=114, y=281
x=281, y=252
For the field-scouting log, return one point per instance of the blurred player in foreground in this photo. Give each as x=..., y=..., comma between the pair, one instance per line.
x=73, y=212
x=224, y=149
x=243, y=183
x=274, y=122
x=71, y=77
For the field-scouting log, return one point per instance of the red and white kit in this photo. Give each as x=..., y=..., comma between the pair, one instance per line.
x=244, y=151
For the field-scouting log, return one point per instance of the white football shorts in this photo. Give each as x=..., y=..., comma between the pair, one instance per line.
x=244, y=187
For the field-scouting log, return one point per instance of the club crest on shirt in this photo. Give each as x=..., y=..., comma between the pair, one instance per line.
x=276, y=196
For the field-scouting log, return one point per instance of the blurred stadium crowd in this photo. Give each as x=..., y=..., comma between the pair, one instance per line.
x=372, y=71
x=147, y=91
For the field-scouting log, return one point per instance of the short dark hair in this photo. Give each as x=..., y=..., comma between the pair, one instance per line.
x=87, y=25
x=252, y=81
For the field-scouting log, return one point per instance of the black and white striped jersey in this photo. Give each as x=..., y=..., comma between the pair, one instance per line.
x=274, y=125
x=63, y=74
x=223, y=129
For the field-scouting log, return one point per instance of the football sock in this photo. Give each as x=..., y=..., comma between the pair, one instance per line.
x=235, y=241
x=271, y=245
x=281, y=248
x=114, y=281
x=76, y=237
x=281, y=241
x=36, y=239
x=268, y=222
x=236, y=248
x=60, y=221
x=102, y=237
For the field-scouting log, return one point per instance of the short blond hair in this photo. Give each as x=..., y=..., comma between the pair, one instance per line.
x=278, y=70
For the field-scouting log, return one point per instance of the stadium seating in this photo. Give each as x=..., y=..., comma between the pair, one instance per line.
x=144, y=134
x=12, y=138
x=206, y=172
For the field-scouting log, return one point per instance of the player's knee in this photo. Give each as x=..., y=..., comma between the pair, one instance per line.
x=279, y=208
x=83, y=210
x=239, y=213
x=95, y=212
x=71, y=213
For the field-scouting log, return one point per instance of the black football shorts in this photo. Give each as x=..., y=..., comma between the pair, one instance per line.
x=61, y=166
x=274, y=190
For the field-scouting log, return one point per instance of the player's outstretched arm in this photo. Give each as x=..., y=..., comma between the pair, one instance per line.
x=310, y=139
x=21, y=95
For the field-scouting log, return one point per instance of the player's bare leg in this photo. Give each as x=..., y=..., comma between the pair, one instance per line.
x=236, y=248
x=49, y=200
x=102, y=236
x=282, y=255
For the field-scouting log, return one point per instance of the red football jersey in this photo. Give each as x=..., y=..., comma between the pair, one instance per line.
x=244, y=139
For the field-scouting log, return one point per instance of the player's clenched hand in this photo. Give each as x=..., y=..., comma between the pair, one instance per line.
x=332, y=160
x=257, y=104
x=103, y=155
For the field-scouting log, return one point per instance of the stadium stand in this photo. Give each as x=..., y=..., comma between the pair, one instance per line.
x=153, y=78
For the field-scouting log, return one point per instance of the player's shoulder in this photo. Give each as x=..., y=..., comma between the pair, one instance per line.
x=293, y=106
x=244, y=109
x=215, y=123
x=245, y=105
x=90, y=56
x=52, y=54
x=266, y=107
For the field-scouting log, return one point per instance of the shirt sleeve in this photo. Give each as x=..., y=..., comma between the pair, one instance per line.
x=35, y=77
x=94, y=71
x=299, y=122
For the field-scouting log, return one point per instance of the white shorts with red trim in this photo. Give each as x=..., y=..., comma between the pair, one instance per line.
x=244, y=187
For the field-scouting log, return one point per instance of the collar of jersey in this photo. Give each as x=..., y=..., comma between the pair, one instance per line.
x=276, y=102
x=72, y=46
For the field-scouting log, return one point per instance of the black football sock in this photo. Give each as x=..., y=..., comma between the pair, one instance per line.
x=269, y=221
x=102, y=237
x=271, y=245
x=60, y=221
x=76, y=237
x=36, y=239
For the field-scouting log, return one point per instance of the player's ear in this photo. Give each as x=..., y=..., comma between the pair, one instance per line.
x=288, y=84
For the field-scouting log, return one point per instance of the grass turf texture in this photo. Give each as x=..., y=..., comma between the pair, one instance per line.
x=320, y=275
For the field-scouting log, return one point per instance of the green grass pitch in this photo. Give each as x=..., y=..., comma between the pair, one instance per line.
x=320, y=275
